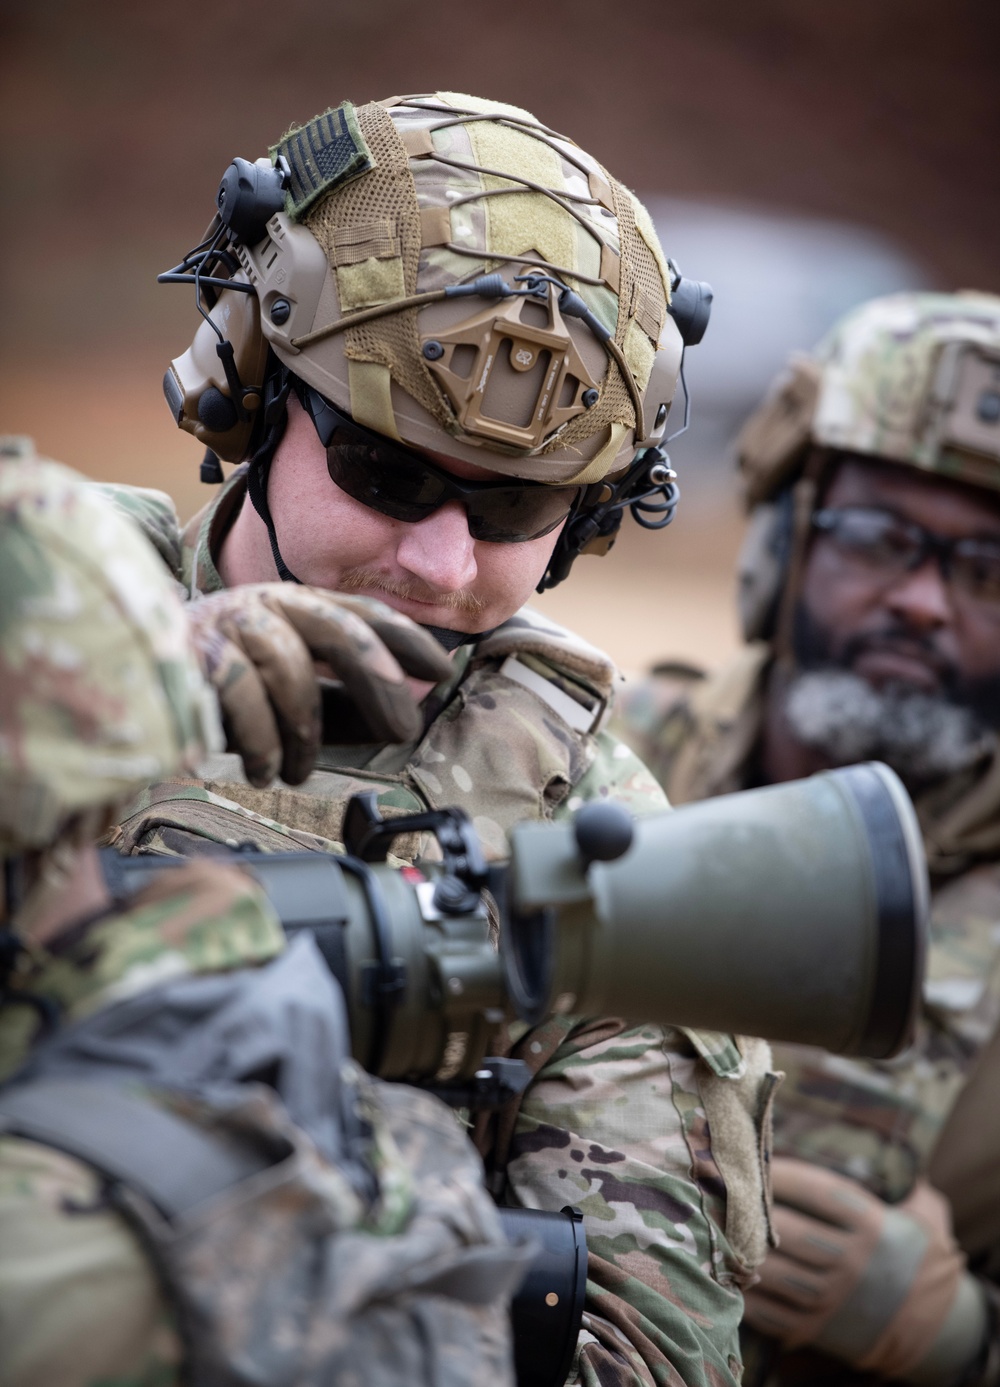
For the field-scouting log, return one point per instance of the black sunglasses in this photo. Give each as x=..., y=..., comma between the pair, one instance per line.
x=394, y=481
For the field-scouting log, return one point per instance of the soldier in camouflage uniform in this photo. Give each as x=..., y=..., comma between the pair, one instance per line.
x=446, y=383
x=870, y=598
x=214, y=1228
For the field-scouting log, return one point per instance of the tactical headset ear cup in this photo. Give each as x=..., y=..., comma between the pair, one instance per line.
x=762, y=567
x=197, y=385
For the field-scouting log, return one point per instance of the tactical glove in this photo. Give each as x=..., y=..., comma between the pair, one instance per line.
x=260, y=645
x=882, y=1287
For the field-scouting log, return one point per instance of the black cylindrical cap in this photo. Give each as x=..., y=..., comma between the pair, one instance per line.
x=248, y=197
x=547, y=1311
x=603, y=831
x=691, y=308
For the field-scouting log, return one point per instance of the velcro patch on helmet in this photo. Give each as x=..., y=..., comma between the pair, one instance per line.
x=371, y=241
x=322, y=155
x=649, y=310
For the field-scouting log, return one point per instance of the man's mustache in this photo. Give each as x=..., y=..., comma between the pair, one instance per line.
x=899, y=639
x=362, y=579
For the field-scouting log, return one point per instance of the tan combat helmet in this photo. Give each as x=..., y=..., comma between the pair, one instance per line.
x=450, y=273
x=101, y=689
x=912, y=378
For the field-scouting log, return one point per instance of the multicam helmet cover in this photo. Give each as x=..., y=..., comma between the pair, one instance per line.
x=916, y=378
x=101, y=689
x=392, y=207
x=913, y=378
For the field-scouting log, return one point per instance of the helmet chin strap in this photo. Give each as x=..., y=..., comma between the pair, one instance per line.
x=451, y=640
x=258, y=472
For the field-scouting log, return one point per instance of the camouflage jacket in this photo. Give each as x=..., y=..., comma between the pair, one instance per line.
x=883, y=1123
x=618, y=1121
x=80, y=1304
x=305, y=1230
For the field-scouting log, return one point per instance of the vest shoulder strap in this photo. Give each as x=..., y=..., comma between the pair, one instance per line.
x=128, y=1137
x=529, y=634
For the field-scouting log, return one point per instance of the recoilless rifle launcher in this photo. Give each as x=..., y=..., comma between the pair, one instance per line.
x=795, y=912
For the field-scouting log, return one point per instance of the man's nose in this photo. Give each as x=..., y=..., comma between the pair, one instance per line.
x=439, y=551
x=921, y=597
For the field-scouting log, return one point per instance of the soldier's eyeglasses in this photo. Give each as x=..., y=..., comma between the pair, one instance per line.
x=394, y=481
x=888, y=545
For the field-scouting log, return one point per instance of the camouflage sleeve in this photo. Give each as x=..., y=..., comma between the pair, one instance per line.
x=650, y=714
x=616, y=773
x=616, y=1124
x=155, y=514
x=79, y=1302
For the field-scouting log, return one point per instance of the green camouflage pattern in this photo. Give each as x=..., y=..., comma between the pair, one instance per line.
x=492, y=732
x=80, y=1305
x=304, y=1283
x=501, y=224
x=493, y=190
x=633, y=1125
x=888, y=385
x=102, y=691
x=913, y=378
x=877, y=1122
x=79, y=1302
x=501, y=751
x=203, y=918
x=880, y=1122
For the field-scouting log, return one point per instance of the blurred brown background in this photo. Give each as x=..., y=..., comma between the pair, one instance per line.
x=800, y=156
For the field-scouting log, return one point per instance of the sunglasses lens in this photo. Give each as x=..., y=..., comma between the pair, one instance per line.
x=400, y=484
x=384, y=478
x=511, y=515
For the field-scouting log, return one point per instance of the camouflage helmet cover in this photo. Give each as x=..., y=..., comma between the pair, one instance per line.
x=913, y=378
x=101, y=689
x=397, y=200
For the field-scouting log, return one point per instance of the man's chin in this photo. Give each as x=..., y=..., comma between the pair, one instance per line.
x=920, y=733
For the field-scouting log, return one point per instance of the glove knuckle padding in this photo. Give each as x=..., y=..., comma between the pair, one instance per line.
x=342, y=638
x=358, y=657
x=260, y=642
x=417, y=652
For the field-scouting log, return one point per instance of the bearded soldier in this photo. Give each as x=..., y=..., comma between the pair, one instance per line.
x=431, y=339
x=870, y=600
